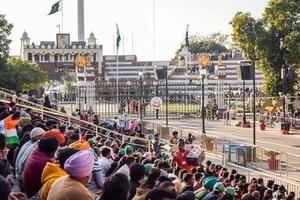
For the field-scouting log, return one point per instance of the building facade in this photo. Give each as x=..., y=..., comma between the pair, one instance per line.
x=58, y=57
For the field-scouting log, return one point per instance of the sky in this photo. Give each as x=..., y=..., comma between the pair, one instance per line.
x=134, y=18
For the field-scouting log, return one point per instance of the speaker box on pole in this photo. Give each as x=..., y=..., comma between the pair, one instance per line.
x=245, y=71
x=161, y=73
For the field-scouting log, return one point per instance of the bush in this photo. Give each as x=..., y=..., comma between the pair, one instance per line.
x=272, y=154
x=207, y=139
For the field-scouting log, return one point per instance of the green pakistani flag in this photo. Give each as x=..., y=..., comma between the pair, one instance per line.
x=55, y=7
x=118, y=37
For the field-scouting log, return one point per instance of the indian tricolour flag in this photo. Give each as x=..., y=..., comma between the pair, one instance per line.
x=8, y=128
x=118, y=37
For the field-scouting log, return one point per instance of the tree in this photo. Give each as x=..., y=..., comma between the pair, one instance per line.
x=21, y=75
x=54, y=79
x=69, y=80
x=5, y=30
x=272, y=42
x=214, y=43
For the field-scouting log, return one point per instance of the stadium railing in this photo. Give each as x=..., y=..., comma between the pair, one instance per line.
x=47, y=113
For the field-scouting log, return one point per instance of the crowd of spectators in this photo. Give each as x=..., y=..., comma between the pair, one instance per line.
x=43, y=159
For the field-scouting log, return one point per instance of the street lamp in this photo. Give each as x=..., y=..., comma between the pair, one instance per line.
x=204, y=62
x=141, y=93
x=283, y=72
x=156, y=94
x=203, y=74
x=128, y=84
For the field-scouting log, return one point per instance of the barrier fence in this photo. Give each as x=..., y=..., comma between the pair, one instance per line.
x=284, y=168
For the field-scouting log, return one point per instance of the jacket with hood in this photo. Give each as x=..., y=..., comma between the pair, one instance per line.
x=50, y=174
x=33, y=171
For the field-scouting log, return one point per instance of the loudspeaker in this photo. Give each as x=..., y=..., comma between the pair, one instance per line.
x=161, y=73
x=245, y=71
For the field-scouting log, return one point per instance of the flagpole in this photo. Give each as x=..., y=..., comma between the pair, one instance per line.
x=62, y=16
x=123, y=44
x=114, y=47
x=154, y=39
x=118, y=80
x=132, y=43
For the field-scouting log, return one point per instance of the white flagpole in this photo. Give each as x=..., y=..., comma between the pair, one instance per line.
x=117, y=46
x=117, y=80
x=114, y=43
x=62, y=16
x=123, y=44
x=154, y=39
x=132, y=43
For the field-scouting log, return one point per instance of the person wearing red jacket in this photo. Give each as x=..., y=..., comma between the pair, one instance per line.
x=35, y=164
x=180, y=156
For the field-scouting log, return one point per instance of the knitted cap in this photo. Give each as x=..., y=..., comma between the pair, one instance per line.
x=219, y=187
x=148, y=167
x=209, y=182
x=36, y=132
x=229, y=190
x=121, y=152
x=129, y=149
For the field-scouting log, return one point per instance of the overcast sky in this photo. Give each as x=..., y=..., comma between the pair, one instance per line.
x=133, y=16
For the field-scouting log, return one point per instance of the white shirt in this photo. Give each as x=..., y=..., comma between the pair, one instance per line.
x=23, y=154
x=105, y=165
x=124, y=170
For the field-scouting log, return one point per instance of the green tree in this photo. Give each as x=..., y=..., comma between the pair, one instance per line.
x=5, y=30
x=272, y=42
x=54, y=79
x=69, y=80
x=21, y=75
x=214, y=43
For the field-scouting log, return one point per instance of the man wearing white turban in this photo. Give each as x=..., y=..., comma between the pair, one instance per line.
x=72, y=187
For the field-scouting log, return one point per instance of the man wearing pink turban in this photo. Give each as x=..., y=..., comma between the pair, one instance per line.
x=72, y=187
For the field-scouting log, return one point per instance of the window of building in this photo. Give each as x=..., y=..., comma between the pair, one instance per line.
x=30, y=56
x=95, y=57
x=36, y=58
x=46, y=58
x=56, y=57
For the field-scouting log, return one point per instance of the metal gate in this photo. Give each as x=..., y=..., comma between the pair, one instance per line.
x=134, y=99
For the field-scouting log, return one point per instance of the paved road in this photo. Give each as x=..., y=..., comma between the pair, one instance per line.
x=271, y=138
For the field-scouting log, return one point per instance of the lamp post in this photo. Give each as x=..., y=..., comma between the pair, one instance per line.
x=204, y=62
x=167, y=96
x=283, y=74
x=253, y=105
x=141, y=93
x=156, y=94
x=128, y=83
x=244, y=104
x=283, y=77
x=202, y=74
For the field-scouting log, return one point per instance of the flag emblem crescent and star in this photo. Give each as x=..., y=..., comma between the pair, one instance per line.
x=55, y=8
x=118, y=37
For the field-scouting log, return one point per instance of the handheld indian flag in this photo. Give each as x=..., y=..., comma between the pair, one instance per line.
x=8, y=128
x=56, y=7
x=118, y=37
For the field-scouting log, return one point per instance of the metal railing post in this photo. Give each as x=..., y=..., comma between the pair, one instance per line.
x=149, y=146
x=42, y=112
x=287, y=164
x=262, y=158
x=280, y=171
